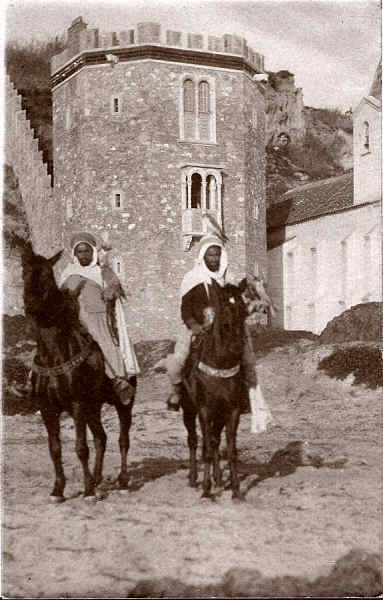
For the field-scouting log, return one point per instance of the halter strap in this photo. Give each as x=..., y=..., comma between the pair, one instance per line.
x=65, y=367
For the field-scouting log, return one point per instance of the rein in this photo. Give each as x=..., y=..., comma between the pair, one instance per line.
x=65, y=367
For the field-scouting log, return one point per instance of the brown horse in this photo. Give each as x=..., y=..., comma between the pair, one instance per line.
x=214, y=387
x=68, y=374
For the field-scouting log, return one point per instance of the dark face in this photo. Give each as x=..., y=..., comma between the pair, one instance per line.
x=84, y=253
x=283, y=140
x=213, y=258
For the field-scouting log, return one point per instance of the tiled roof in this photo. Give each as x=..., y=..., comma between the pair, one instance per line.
x=312, y=200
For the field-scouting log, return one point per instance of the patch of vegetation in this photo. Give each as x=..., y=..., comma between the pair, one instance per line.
x=334, y=118
x=357, y=574
x=28, y=65
x=265, y=339
x=315, y=157
x=150, y=352
x=363, y=361
x=362, y=322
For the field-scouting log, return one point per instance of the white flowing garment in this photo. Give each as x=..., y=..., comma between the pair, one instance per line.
x=126, y=346
x=261, y=416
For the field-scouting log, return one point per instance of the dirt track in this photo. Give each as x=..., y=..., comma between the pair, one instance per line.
x=299, y=517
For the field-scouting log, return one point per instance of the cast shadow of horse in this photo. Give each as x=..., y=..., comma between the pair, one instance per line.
x=145, y=471
x=283, y=462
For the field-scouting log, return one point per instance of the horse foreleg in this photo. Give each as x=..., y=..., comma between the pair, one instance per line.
x=215, y=441
x=52, y=423
x=231, y=435
x=189, y=417
x=125, y=417
x=82, y=449
x=94, y=421
x=206, y=451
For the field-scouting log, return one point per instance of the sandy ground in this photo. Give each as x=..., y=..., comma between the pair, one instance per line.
x=298, y=522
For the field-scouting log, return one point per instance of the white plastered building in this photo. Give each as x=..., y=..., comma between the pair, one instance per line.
x=325, y=238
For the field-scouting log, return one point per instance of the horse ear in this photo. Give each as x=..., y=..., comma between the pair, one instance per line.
x=27, y=254
x=53, y=260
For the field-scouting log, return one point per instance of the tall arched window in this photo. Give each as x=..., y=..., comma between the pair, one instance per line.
x=211, y=190
x=189, y=108
x=197, y=110
x=366, y=136
x=204, y=110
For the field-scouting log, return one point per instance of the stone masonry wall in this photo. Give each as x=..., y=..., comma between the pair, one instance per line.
x=138, y=153
x=81, y=39
x=22, y=154
x=255, y=181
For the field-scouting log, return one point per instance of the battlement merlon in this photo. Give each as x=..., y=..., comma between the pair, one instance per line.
x=80, y=39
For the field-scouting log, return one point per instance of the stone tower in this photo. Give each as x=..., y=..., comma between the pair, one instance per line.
x=150, y=130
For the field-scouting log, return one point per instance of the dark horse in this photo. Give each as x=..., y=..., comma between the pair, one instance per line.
x=214, y=387
x=68, y=374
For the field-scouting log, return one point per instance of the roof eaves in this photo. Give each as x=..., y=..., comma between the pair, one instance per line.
x=323, y=214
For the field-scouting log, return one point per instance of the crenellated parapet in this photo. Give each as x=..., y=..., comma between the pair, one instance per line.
x=82, y=40
x=21, y=152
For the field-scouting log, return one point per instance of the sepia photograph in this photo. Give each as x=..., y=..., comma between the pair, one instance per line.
x=191, y=278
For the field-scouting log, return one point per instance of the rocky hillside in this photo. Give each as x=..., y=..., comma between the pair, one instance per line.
x=303, y=144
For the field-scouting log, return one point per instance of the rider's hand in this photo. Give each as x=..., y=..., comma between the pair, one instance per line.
x=109, y=293
x=196, y=328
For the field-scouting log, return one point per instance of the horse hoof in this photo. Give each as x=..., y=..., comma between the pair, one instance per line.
x=238, y=498
x=207, y=495
x=56, y=499
x=90, y=498
x=100, y=495
x=123, y=484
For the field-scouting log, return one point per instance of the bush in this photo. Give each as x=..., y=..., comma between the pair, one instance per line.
x=362, y=322
x=364, y=362
x=28, y=65
x=334, y=118
x=314, y=157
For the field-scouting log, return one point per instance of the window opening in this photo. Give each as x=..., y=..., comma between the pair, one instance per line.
x=203, y=97
x=366, y=144
x=211, y=187
x=188, y=96
x=196, y=190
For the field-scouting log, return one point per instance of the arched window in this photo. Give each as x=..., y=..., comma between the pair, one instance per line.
x=188, y=95
x=197, y=110
x=203, y=97
x=211, y=190
x=196, y=191
x=204, y=110
x=366, y=136
x=189, y=108
x=200, y=193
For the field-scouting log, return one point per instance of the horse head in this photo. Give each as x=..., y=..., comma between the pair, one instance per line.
x=41, y=294
x=223, y=343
